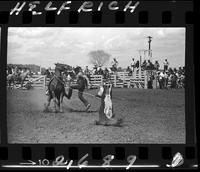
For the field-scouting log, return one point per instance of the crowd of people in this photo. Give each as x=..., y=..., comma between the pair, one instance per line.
x=15, y=69
x=167, y=77
x=146, y=65
x=176, y=77
x=173, y=78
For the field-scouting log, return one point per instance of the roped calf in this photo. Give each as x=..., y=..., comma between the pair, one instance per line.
x=106, y=113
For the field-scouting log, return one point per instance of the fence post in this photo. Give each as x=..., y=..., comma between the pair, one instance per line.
x=101, y=80
x=145, y=79
x=123, y=79
x=134, y=73
x=140, y=72
x=115, y=78
x=44, y=84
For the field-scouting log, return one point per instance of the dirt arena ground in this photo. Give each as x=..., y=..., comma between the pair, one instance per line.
x=150, y=116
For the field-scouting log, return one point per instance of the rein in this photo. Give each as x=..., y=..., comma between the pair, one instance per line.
x=59, y=79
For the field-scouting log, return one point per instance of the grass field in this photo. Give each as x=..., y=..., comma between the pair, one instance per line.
x=150, y=116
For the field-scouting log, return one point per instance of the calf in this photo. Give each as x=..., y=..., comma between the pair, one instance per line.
x=106, y=114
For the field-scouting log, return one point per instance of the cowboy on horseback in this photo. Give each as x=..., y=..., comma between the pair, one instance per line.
x=81, y=83
x=56, y=90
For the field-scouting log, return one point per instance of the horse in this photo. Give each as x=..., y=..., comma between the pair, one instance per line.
x=11, y=79
x=16, y=77
x=21, y=77
x=57, y=92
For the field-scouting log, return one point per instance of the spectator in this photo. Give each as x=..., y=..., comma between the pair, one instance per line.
x=94, y=72
x=166, y=64
x=184, y=70
x=150, y=81
x=137, y=64
x=156, y=65
x=87, y=72
x=170, y=70
x=165, y=79
x=161, y=80
x=179, y=70
x=144, y=64
x=174, y=81
x=133, y=64
x=175, y=70
x=128, y=69
x=106, y=73
x=148, y=65
x=100, y=70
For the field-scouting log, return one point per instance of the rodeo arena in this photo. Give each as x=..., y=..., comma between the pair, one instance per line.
x=143, y=103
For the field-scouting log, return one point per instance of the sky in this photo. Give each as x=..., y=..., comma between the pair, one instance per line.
x=46, y=46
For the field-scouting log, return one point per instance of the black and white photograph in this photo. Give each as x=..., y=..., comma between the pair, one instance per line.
x=96, y=85
x=0, y=62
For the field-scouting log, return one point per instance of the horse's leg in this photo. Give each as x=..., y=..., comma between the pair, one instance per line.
x=48, y=103
x=61, y=102
x=12, y=84
x=22, y=81
x=9, y=84
x=55, y=101
x=58, y=102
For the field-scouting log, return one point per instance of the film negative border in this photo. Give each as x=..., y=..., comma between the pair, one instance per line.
x=114, y=13
x=113, y=156
x=96, y=18
x=145, y=15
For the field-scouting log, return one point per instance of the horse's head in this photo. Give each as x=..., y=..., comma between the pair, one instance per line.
x=58, y=71
x=28, y=72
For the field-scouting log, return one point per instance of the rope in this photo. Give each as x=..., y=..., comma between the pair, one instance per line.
x=59, y=79
x=99, y=97
x=85, y=93
x=95, y=95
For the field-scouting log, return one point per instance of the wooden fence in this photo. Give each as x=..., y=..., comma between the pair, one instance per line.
x=122, y=79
